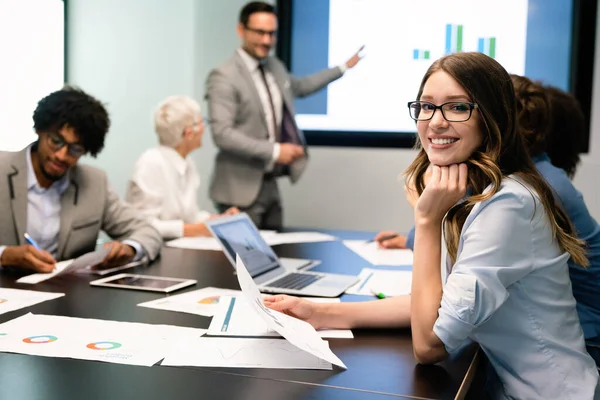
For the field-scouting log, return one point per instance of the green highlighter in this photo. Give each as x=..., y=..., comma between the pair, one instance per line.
x=377, y=294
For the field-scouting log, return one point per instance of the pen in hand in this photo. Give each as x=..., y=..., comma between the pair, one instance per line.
x=383, y=238
x=32, y=242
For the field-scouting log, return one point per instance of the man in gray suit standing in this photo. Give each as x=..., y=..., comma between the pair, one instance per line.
x=251, y=112
x=61, y=205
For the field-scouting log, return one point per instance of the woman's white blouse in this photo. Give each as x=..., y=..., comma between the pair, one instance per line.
x=164, y=187
x=510, y=291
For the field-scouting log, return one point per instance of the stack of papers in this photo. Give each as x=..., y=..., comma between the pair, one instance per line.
x=299, y=237
x=15, y=299
x=271, y=237
x=378, y=256
x=374, y=281
x=207, y=243
x=243, y=353
x=305, y=349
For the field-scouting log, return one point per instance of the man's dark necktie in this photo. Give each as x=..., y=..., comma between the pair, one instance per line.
x=261, y=68
x=288, y=132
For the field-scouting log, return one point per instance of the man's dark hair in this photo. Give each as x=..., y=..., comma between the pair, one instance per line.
x=255, y=7
x=72, y=107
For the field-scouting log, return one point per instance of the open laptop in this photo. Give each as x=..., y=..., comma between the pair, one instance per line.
x=238, y=235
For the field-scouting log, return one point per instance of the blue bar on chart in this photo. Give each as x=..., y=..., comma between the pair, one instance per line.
x=454, y=38
x=487, y=46
x=420, y=54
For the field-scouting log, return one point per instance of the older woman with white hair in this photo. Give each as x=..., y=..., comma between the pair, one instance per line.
x=165, y=180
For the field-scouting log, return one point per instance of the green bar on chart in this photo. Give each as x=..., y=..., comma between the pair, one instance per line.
x=426, y=54
x=493, y=47
x=459, y=38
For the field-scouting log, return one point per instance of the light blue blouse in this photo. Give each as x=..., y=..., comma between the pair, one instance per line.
x=586, y=281
x=510, y=291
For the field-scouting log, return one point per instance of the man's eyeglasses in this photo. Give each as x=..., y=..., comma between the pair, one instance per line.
x=453, y=111
x=261, y=32
x=57, y=142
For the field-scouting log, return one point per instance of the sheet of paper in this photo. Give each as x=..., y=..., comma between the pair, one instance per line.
x=196, y=243
x=92, y=339
x=298, y=263
x=207, y=243
x=377, y=256
x=390, y=283
x=299, y=237
x=299, y=333
x=200, y=302
x=15, y=299
x=235, y=317
x=243, y=353
x=63, y=267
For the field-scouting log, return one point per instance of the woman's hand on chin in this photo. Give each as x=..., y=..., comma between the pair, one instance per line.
x=447, y=185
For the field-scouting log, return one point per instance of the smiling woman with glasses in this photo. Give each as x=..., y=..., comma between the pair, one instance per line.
x=453, y=111
x=488, y=220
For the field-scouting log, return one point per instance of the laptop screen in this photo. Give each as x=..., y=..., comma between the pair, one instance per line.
x=241, y=236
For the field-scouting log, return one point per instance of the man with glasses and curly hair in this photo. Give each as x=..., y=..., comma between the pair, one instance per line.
x=62, y=205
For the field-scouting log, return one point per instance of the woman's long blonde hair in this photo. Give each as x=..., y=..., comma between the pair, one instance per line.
x=502, y=152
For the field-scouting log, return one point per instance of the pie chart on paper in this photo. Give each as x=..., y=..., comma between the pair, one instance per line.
x=210, y=300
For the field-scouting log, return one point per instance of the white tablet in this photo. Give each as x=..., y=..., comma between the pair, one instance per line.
x=144, y=282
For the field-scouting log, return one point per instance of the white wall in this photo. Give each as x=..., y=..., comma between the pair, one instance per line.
x=153, y=48
x=130, y=54
x=216, y=41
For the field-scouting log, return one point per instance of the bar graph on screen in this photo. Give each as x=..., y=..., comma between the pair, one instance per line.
x=487, y=46
x=399, y=47
x=454, y=38
x=421, y=54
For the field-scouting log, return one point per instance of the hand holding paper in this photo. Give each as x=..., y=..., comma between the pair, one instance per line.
x=299, y=333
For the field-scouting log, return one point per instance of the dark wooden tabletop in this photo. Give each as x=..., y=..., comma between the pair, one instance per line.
x=380, y=362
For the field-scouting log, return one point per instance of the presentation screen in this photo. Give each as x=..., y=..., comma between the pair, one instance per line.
x=32, y=52
x=402, y=38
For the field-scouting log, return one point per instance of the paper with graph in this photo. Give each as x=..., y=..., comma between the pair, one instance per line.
x=243, y=353
x=92, y=339
x=203, y=301
x=235, y=317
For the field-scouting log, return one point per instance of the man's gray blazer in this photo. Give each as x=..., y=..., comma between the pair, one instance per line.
x=87, y=206
x=239, y=127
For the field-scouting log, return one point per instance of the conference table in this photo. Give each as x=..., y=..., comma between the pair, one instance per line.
x=380, y=362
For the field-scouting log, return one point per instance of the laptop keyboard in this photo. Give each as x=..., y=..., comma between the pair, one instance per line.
x=295, y=281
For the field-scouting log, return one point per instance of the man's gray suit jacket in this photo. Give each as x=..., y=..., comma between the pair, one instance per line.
x=87, y=206
x=239, y=127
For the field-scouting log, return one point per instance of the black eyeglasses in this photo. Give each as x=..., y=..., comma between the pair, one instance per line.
x=453, y=111
x=57, y=142
x=261, y=32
